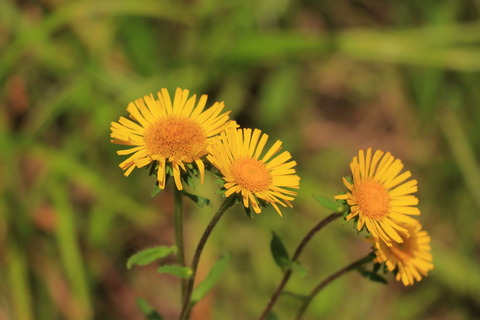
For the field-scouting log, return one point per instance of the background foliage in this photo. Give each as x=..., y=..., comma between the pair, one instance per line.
x=326, y=77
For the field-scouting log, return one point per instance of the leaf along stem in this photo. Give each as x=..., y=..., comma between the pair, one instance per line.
x=187, y=307
x=296, y=255
x=358, y=263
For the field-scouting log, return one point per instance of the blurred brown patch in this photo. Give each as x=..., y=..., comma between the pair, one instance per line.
x=17, y=100
x=45, y=218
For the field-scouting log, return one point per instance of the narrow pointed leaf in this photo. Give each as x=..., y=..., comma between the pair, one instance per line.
x=328, y=203
x=147, y=310
x=299, y=269
x=301, y=297
x=212, y=278
x=200, y=201
x=279, y=253
x=177, y=271
x=149, y=255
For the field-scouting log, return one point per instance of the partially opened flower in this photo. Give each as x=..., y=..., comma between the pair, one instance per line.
x=258, y=178
x=172, y=134
x=410, y=259
x=379, y=196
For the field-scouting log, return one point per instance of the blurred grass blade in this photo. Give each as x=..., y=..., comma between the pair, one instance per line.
x=444, y=50
x=70, y=253
x=18, y=275
x=264, y=47
x=147, y=256
x=462, y=152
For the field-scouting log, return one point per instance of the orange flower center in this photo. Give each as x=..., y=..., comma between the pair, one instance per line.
x=175, y=137
x=372, y=199
x=251, y=174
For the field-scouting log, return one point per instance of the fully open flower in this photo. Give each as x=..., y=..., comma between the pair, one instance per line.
x=237, y=154
x=379, y=195
x=410, y=259
x=171, y=133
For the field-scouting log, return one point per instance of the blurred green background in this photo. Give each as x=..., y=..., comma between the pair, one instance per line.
x=325, y=77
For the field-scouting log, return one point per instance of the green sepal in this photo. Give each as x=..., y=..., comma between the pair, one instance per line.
x=190, y=176
x=153, y=166
x=220, y=191
x=248, y=211
x=329, y=204
x=200, y=201
x=155, y=191
x=177, y=271
x=147, y=256
x=349, y=179
x=149, y=312
x=279, y=253
x=372, y=276
x=189, y=180
x=211, y=279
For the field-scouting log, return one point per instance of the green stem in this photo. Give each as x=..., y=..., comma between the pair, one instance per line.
x=330, y=278
x=187, y=306
x=296, y=255
x=178, y=204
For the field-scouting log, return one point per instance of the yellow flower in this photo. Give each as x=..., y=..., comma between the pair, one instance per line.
x=236, y=153
x=172, y=134
x=379, y=196
x=411, y=259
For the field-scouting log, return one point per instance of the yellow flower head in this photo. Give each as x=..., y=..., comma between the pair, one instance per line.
x=379, y=196
x=237, y=154
x=410, y=259
x=170, y=133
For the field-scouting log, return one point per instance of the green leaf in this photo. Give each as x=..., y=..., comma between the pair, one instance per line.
x=178, y=271
x=148, y=310
x=328, y=203
x=200, y=201
x=298, y=268
x=279, y=253
x=212, y=278
x=301, y=297
x=272, y=316
x=149, y=255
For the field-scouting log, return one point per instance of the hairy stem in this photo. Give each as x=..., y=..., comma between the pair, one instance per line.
x=368, y=258
x=296, y=255
x=185, y=313
x=178, y=208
